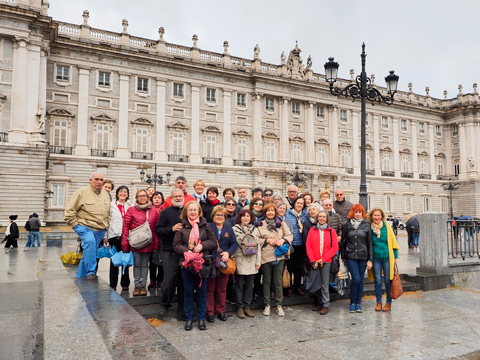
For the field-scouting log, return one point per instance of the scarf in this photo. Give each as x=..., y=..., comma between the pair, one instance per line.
x=312, y=220
x=246, y=228
x=322, y=227
x=271, y=225
x=193, y=239
x=214, y=202
x=7, y=231
x=377, y=229
x=299, y=220
x=355, y=223
x=148, y=205
x=257, y=214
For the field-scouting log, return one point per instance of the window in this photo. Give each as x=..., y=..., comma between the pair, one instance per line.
x=405, y=163
x=60, y=128
x=384, y=122
x=178, y=90
x=102, y=136
x=343, y=115
x=142, y=84
x=141, y=140
x=456, y=169
x=426, y=203
x=440, y=167
x=408, y=204
x=403, y=125
x=269, y=104
x=297, y=153
x=242, y=149
x=388, y=203
x=270, y=151
x=320, y=112
x=421, y=128
x=386, y=160
x=58, y=199
x=295, y=108
x=423, y=165
x=370, y=201
x=211, y=95
x=345, y=157
x=241, y=100
x=368, y=159
x=438, y=130
x=63, y=73
x=178, y=140
x=444, y=204
x=322, y=155
x=455, y=130
x=103, y=79
x=211, y=146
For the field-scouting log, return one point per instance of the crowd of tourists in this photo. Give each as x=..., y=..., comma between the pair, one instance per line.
x=243, y=248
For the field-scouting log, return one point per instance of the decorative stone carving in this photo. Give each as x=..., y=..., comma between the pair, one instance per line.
x=40, y=120
x=283, y=58
x=103, y=118
x=211, y=128
x=352, y=75
x=161, y=32
x=309, y=63
x=372, y=77
x=178, y=125
x=445, y=94
x=471, y=162
x=195, y=40
x=125, y=25
x=460, y=88
x=60, y=112
x=295, y=68
x=475, y=88
x=270, y=135
x=142, y=121
x=241, y=132
x=427, y=90
x=256, y=52
x=410, y=85
x=86, y=15
x=225, y=47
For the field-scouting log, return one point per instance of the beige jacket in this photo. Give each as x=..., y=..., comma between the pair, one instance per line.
x=88, y=207
x=268, y=251
x=246, y=263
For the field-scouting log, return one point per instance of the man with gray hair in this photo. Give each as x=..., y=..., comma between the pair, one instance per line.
x=168, y=224
x=342, y=207
x=335, y=219
x=180, y=183
x=88, y=213
x=292, y=194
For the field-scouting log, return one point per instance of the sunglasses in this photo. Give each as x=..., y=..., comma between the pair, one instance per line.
x=231, y=204
x=268, y=194
x=258, y=204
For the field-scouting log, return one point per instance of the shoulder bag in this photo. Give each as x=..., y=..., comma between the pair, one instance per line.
x=141, y=236
x=231, y=264
x=335, y=267
x=396, y=290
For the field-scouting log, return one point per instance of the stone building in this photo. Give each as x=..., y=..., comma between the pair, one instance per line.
x=74, y=99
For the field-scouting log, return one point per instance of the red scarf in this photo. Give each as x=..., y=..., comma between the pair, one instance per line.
x=214, y=202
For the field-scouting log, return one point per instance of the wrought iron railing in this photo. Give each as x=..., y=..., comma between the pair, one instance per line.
x=64, y=150
x=388, y=173
x=406, y=175
x=178, y=158
x=443, y=177
x=349, y=170
x=425, y=176
x=142, y=155
x=212, y=161
x=102, y=153
x=3, y=137
x=463, y=236
x=242, y=162
x=370, y=172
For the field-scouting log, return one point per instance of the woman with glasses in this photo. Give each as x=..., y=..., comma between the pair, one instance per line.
x=136, y=216
x=256, y=207
x=232, y=211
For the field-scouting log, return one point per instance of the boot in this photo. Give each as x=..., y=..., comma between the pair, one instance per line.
x=387, y=307
x=378, y=307
x=240, y=313
x=248, y=312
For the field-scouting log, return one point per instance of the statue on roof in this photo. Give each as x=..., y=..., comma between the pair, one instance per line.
x=295, y=68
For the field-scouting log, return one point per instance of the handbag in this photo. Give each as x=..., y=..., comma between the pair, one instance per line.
x=282, y=250
x=206, y=266
x=231, y=264
x=287, y=279
x=396, y=290
x=335, y=267
x=141, y=236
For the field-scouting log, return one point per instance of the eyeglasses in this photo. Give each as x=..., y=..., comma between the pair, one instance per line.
x=142, y=196
x=292, y=191
x=230, y=204
x=219, y=215
x=268, y=194
x=258, y=204
x=339, y=194
x=327, y=205
x=98, y=179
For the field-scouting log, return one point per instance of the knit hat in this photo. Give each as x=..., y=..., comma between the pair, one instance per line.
x=13, y=217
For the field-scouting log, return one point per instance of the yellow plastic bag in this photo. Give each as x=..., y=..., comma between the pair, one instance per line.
x=71, y=258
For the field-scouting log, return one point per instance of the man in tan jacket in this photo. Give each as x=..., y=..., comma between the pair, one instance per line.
x=88, y=213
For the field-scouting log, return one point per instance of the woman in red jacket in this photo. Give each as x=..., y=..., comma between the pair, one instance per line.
x=136, y=216
x=322, y=245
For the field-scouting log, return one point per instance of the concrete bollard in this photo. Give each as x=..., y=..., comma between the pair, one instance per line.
x=433, y=242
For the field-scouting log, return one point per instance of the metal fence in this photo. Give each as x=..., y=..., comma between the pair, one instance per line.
x=463, y=238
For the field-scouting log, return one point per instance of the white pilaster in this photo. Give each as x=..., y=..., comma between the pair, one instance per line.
x=18, y=115
x=414, y=150
x=462, y=142
x=431, y=150
x=227, y=128
x=122, y=149
x=477, y=148
x=81, y=147
x=257, y=127
x=356, y=142
x=42, y=86
x=376, y=145
x=160, y=153
x=310, y=133
x=448, y=150
x=284, y=129
x=333, y=115
x=396, y=149
x=195, y=128
x=32, y=93
x=471, y=150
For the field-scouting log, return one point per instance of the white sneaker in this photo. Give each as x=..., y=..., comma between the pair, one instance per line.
x=266, y=311
x=280, y=311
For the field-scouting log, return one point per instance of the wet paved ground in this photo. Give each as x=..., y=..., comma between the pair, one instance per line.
x=48, y=314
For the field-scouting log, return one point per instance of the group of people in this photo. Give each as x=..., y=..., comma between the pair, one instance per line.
x=267, y=236
x=32, y=226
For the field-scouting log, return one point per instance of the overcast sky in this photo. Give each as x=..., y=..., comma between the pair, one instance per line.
x=431, y=43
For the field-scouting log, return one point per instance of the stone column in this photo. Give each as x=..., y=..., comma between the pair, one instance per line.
x=448, y=150
x=471, y=149
x=356, y=142
x=257, y=127
x=310, y=133
x=414, y=150
x=462, y=142
x=284, y=131
x=160, y=152
x=376, y=146
x=227, y=128
x=477, y=148
x=122, y=149
x=396, y=148
x=434, y=242
x=431, y=150
x=333, y=114
x=81, y=147
x=18, y=115
x=195, y=126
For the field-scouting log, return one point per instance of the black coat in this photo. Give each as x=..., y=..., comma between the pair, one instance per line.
x=14, y=234
x=207, y=209
x=207, y=238
x=307, y=225
x=357, y=244
x=168, y=217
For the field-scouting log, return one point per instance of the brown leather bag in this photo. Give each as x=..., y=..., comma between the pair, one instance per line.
x=396, y=290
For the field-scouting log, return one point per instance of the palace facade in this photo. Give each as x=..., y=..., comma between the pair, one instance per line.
x=75, y=99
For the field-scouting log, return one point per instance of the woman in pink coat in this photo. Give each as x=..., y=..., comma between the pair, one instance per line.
x=136, y=216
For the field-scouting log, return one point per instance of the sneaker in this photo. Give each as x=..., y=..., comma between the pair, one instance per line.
x=351, y=308
x=358, y=308
x=280, y=311
x=266, y=311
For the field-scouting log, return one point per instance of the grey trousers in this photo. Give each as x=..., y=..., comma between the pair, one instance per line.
x=322, y=296
x=140, y=268
x=244, y=290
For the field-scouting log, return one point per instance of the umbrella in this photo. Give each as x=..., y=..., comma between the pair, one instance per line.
x=408, y=217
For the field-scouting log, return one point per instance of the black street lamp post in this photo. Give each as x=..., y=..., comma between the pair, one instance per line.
x=154, y=179
x=362, y=89
x=298, y=178
x=450, y=186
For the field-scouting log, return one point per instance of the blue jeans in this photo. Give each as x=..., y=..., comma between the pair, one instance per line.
x=378, y=266
x=30, y=241
x=91, y=240
x=35, y=234
x=191, y=283
x=357, y=271
x=416, y=236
